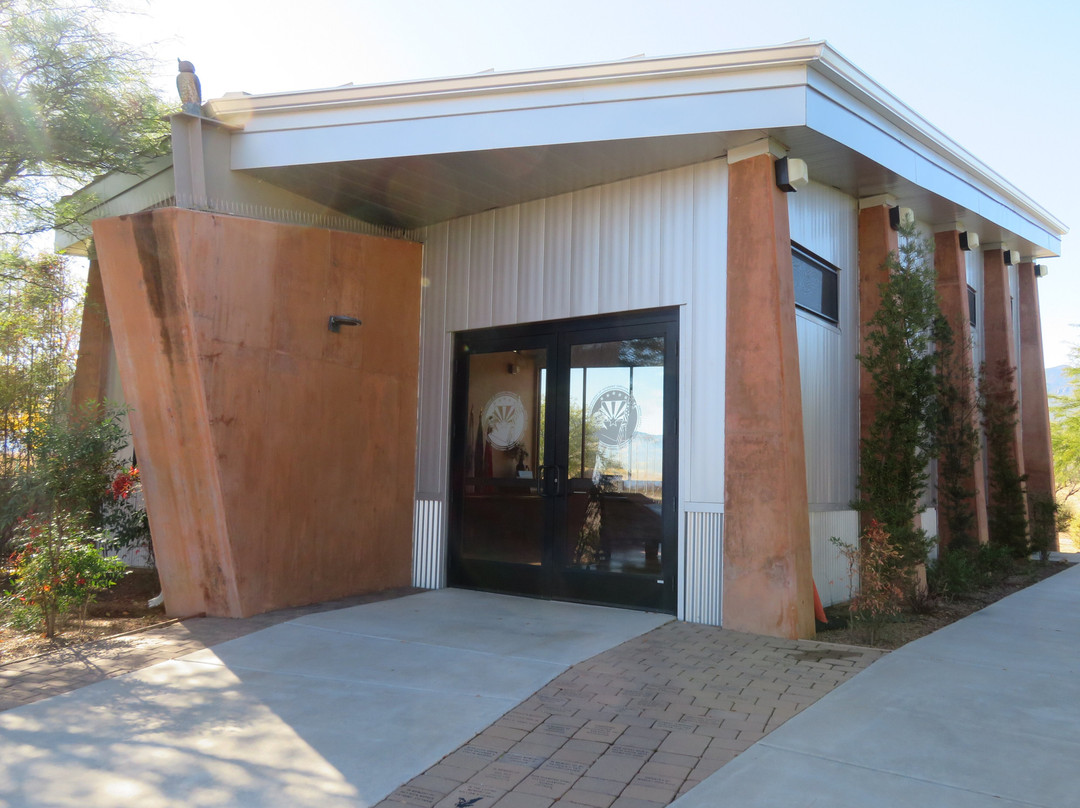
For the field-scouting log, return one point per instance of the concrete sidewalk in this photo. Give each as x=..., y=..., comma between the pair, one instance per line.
x=985, y=712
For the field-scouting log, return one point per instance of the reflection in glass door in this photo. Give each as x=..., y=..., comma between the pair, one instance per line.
x=501, y=511
x=616, y=456
x=564, y=460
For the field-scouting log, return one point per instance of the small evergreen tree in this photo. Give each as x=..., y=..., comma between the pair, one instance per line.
x=957, y=443
x=899, y=358
x=1006, y=511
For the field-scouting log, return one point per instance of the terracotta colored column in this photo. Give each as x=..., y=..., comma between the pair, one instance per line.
x=1035, y=413
x=95, y=344
x=952, y=290
x=768, y=586
x=877, y=240
x=1000, y=349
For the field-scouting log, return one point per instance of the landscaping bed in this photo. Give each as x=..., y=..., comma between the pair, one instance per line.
x=116, y=610
x=935, y=613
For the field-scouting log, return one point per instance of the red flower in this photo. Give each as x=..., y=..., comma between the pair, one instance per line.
x=124, y=483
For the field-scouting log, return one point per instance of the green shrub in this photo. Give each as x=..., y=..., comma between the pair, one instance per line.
x=1043, y=524
x=73, y=463
x=953, y=573
x=56, y=570
x=959, y=571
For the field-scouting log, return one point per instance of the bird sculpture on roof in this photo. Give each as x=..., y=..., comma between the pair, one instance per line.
x=189, y=87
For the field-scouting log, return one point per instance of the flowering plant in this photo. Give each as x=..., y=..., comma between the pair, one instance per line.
x=125, y=515
x=55, y=569
x=125, y=483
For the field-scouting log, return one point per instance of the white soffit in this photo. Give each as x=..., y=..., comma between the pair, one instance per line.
x=413, y=153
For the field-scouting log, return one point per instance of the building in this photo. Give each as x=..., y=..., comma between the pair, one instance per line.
x=608, y=325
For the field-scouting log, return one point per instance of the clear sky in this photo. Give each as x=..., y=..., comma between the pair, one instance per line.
x=1000, y=78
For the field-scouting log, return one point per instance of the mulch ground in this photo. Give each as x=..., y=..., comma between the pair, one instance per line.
x=117, y=610
x=935, y=613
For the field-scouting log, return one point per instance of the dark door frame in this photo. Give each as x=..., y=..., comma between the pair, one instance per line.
x=552, y=579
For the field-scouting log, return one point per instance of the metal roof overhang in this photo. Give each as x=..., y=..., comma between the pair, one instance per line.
x=416, y=153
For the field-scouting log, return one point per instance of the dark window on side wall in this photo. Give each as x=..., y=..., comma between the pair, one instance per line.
x=971, y=306
x=815, y=284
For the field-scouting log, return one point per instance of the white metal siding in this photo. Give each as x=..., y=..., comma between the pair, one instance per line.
x=703, y=568
x=974, y=265
x=657, y=240
x=1014, y=312
x=825, y=221
x=832, y=573
x=429, y=545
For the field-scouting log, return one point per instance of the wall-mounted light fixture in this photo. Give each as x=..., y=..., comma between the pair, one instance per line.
x=969, y=241
x=1041, y=270
x=338, y=320
x=791, y=174
x=1011, y=257
x=901, y=217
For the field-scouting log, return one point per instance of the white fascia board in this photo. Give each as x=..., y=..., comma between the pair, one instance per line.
x=562, y=94
x=525, y=126
x=876, y=137
x=907, y=124
x=242, y=109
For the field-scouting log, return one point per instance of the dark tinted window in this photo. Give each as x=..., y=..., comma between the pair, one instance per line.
x=971, y=305
x=815, y=284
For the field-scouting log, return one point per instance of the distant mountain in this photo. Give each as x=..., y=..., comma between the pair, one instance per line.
x=1056, y=383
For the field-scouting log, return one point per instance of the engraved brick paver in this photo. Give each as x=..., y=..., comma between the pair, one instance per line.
x=641, y=724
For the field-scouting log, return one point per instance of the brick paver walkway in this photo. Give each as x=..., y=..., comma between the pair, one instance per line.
x=27, y=680
x=638, y=725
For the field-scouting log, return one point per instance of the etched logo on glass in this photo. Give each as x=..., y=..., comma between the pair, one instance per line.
x=504, y=420
x=616, y=414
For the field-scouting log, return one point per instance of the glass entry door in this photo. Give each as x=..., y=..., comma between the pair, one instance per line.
x=564, y=463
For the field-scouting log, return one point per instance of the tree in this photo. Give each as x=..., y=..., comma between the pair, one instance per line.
x=1065, y=431
x=1006, y=512
x=39, y=329
x=74, y=104
x=958, y=442
x=903, y=370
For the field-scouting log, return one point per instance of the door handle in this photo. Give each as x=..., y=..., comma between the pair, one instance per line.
x=542, y=487
x=541, y=480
